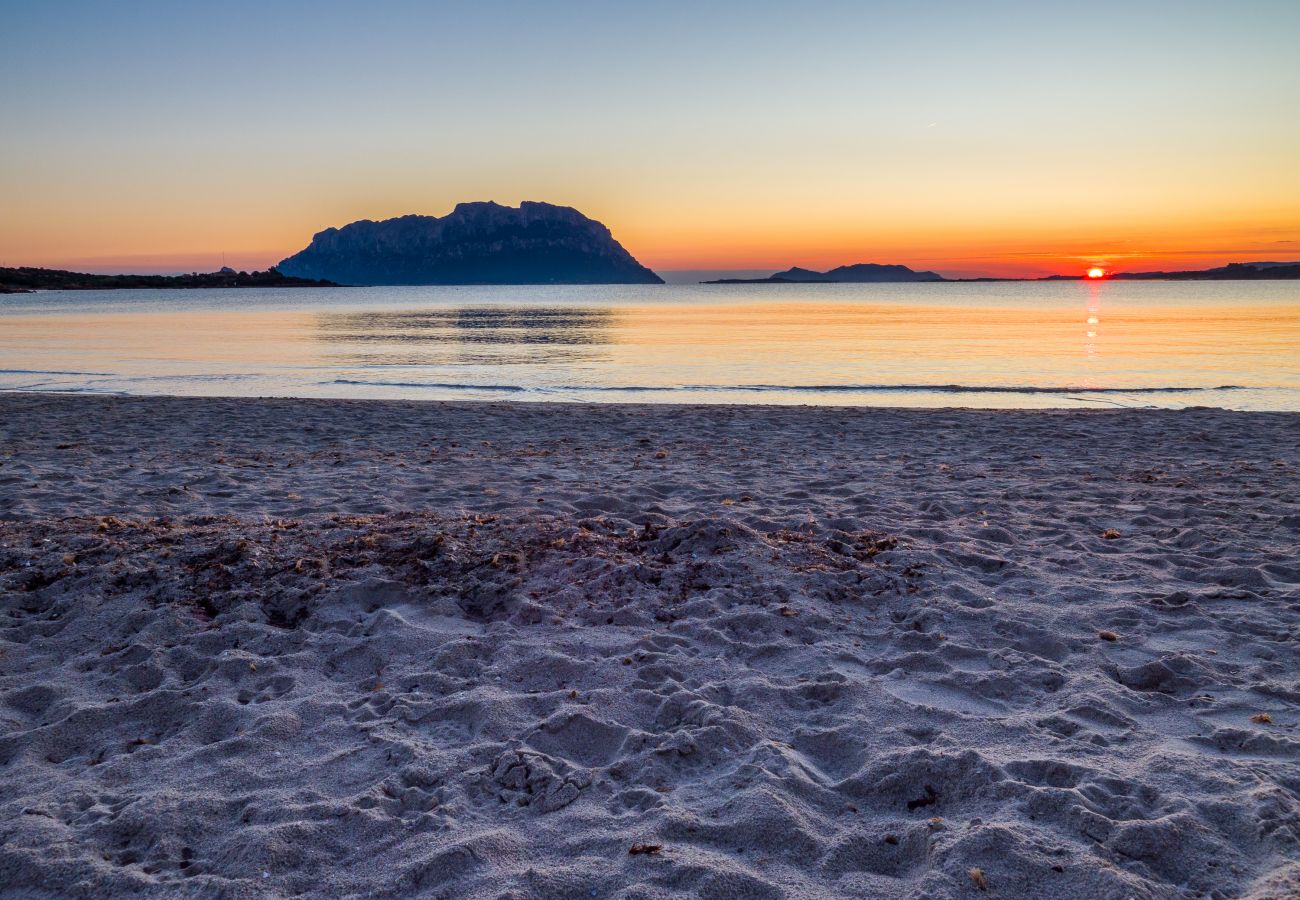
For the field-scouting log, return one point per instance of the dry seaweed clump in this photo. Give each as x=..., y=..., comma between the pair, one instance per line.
x=528, y=569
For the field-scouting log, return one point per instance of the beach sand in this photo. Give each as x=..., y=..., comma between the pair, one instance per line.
x=275, y=647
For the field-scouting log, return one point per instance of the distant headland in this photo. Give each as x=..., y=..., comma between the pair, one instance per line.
x=1251, y=271
x=26, y=279
x=476, y=243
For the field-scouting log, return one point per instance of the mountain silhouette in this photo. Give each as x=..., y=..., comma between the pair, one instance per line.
x=476, y=243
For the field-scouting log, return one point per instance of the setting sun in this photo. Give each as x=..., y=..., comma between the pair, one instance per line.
x=1096, y=273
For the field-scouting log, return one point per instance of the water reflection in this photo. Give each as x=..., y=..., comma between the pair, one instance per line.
x=1094, y=318
x=467, y=335
x=496, y=325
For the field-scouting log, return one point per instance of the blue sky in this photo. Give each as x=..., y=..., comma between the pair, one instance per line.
x=705, y=134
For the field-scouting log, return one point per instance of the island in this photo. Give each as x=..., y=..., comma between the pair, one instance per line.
x=476, y=243
x=859, y=273
x=27, y=279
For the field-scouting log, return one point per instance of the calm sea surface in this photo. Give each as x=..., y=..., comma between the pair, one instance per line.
x=1073, y=344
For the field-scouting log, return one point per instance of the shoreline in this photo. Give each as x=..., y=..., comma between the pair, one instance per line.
x=507, y=399
x=491, y=648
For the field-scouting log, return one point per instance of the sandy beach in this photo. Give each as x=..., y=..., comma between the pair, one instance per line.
x=260, y=648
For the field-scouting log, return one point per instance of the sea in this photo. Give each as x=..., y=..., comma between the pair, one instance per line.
x=1234, y=345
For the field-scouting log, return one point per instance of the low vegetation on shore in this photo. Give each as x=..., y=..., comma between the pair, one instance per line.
x=27, y=278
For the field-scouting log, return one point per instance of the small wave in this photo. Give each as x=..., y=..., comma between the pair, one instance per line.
x=963, y=389
x=791, y=388
x=196, y=376
x=430, y=384
x=45, y=389
x=901, y=388
x=47, y=372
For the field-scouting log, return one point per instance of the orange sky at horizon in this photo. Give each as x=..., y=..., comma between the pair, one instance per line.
x=1013, y=250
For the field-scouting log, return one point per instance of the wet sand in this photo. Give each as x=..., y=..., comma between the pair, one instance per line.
x=277, y=647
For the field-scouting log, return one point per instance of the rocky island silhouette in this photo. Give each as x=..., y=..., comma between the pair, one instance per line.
x=476, y=243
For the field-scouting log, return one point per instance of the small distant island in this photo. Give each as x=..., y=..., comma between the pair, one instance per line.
x=476, y=243
x=869, y=273
x=859, y=273
x=27, y=279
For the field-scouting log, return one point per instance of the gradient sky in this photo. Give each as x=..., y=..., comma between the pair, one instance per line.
x=967, y=137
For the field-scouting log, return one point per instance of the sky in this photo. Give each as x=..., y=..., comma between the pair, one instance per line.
x=972, y=138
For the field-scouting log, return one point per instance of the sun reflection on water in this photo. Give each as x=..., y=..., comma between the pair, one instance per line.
x=1094, y=318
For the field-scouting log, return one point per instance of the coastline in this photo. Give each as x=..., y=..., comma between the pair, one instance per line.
x=484, y=649
x=32, y=279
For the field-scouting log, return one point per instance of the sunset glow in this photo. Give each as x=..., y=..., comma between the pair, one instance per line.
x=1096, y=273
x=701, y=147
